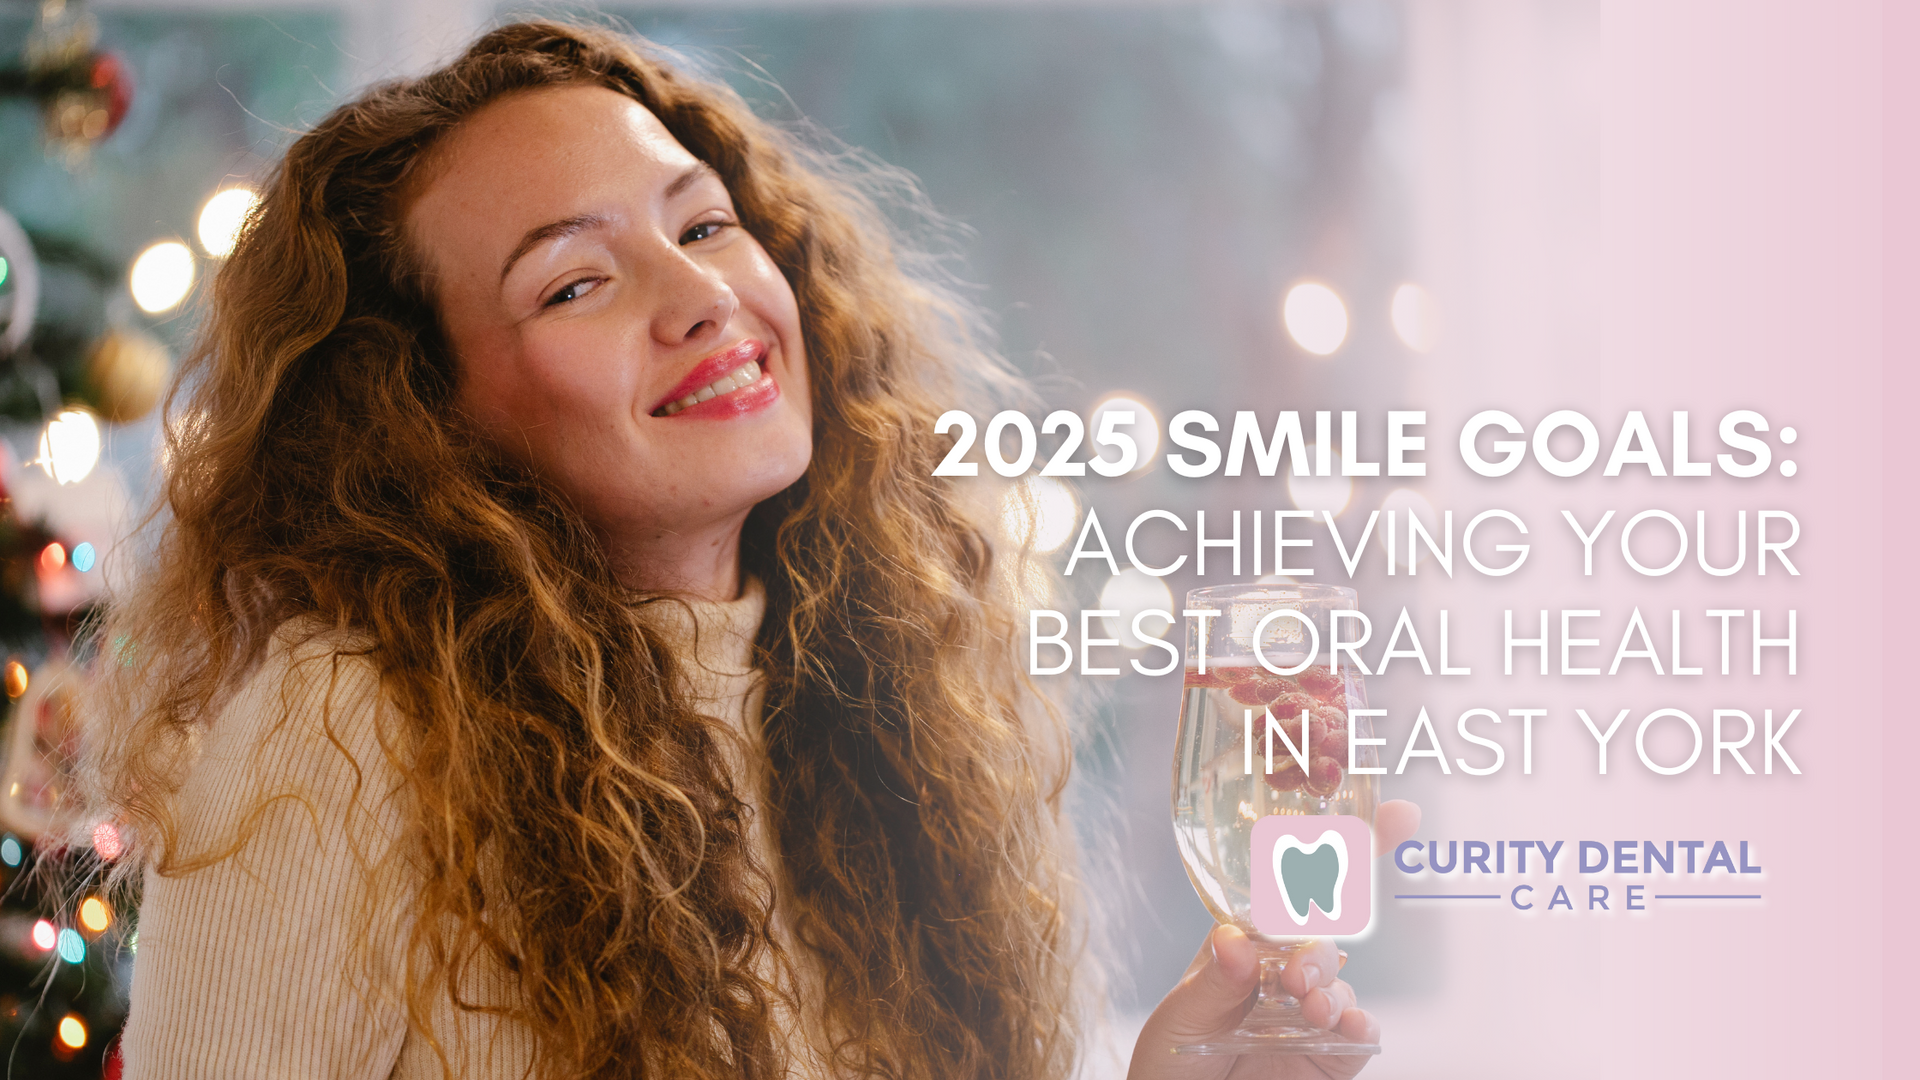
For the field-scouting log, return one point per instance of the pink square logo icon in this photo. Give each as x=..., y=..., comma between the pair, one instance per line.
x=1312, y=875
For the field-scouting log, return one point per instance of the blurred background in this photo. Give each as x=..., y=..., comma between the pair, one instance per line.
x=1139, y=190
x=1352, y=205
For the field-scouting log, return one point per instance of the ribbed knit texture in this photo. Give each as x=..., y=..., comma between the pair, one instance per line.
x=279, y=960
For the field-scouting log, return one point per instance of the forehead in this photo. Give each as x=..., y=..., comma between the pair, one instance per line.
x=536, y=155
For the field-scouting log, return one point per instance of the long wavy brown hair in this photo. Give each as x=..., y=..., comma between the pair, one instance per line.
x=570, y=810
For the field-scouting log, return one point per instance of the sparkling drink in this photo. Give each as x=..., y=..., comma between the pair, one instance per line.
x=1254, y=652
x=1218, y=797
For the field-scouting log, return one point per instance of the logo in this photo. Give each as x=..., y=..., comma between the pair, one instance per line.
x=1312, y=876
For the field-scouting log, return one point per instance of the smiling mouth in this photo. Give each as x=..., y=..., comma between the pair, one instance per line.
x=739, y=378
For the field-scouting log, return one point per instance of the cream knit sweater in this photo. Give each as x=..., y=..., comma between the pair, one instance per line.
x=279, y=961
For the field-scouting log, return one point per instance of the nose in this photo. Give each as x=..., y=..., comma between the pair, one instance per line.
x=693, y=300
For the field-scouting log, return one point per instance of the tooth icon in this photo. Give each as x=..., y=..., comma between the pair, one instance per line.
x=1311, y=875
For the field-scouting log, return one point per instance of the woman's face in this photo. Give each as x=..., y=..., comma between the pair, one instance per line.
x=613, y=325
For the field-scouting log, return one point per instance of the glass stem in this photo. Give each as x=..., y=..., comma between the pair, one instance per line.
x=1274, y=1002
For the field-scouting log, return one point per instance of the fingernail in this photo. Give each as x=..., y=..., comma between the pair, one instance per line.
x=1213, y=943
x=1312, y=974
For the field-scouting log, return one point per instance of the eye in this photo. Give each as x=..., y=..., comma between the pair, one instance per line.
x=703, y=231
x=572, y=292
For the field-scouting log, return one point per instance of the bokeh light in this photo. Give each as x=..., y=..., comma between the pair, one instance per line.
x=45, y=937
x=95, y=915
x=16, y=678
x=1317, y=493
x=1316, y=319
x=73, y=1032
x=1039, y=511
x=1028, y=582
x=1130, y=592
x=10, y=850
x=70, y=446
x=106, y=841
x=83, y=557
x=222, y=218
x=71, y=946
x=1416, y=318
x=1409, y=503
x=1145, y=429
x=52, y=557
x=162, y=276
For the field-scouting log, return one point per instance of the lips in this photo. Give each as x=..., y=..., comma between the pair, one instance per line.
x=729, y=381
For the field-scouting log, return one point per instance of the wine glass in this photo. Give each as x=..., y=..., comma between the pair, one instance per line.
x=1222, y=789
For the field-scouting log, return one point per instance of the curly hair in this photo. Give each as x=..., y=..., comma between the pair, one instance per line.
x=570, y=810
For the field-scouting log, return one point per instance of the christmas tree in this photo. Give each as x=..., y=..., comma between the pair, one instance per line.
x=68, y=367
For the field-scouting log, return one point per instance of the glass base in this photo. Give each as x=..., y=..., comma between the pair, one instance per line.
x=1275, y=1024
x=1324, y=1045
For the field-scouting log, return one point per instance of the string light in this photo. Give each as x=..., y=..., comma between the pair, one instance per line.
x=1315, y=318
x=222, y=218
x=95, y=915
x=106, y=841
x=71, y=946
x=1041, y=511
x=161, y=277
x=16, y=678
x=73, y=1033
x=70, y=446
x=52, y=557
x=10, y=851
x=1416, y=318
x=45, y=937
x=1145, y=429
x=83, y=557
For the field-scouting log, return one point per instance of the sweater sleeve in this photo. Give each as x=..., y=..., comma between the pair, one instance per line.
x=267, y=946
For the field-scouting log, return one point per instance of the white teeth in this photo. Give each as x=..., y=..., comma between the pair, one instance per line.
x=745, y=375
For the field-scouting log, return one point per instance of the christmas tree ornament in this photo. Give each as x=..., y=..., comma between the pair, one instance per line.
x=19, y=286
x=83, y=93
x=127, y=371
x=41, y=743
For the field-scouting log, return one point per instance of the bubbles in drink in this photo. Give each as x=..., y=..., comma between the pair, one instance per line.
x=1222, y=784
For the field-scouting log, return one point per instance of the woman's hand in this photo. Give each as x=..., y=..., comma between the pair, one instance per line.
x=1216, y=990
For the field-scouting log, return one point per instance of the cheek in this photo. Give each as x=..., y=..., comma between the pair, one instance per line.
x=545, y=387
x=773, y=299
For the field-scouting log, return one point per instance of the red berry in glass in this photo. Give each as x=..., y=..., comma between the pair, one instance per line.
x=1235, y=761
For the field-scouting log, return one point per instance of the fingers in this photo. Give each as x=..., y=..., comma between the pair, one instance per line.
x=1394, y=822
x=1208, y=1000
x=1234, y=960
x=1312, y=977
x=1358, y=1025
x=1315, y=964
x=1214, y=991
x=1327, y=1006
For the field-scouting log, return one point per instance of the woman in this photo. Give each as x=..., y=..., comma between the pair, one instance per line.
x=557, y=636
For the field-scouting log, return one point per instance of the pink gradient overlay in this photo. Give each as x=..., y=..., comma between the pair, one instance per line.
x=1663, y=206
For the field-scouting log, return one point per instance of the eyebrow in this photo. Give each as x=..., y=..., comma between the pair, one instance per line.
x=695, y=172
x=552, y=230
x=555, y=230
